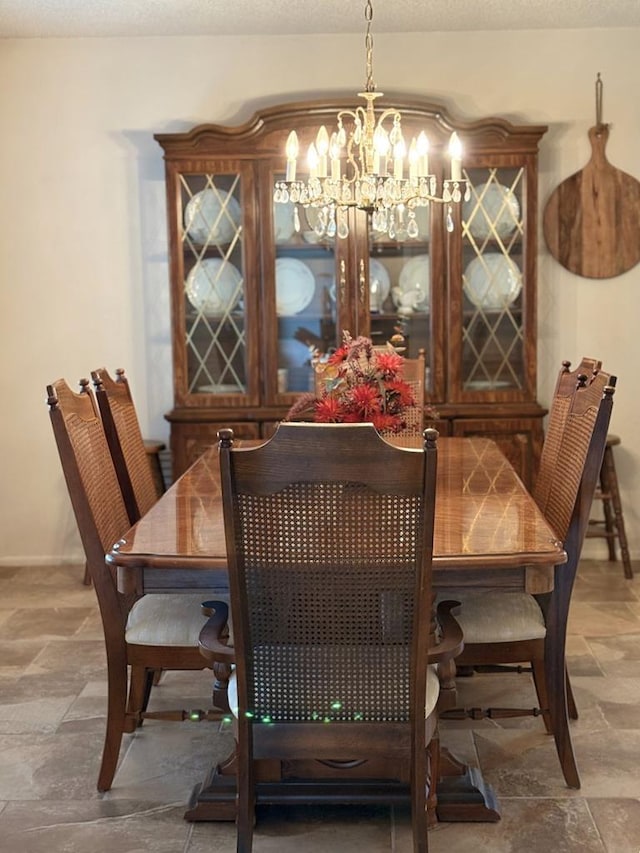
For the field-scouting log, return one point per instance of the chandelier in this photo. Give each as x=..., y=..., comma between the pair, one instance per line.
x=365, y=163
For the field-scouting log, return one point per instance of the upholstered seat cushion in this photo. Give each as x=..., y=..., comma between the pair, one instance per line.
x=498, y=617
x=432, y=694
x=166, y=620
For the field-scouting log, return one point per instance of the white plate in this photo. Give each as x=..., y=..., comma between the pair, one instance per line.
x=283, y=226
x=295, y=286
x=492, y=209
x=217, y=388
x=487, y=384
x=311, y=216
x=379, y=281
x=414, y=281
x=492, y=281
x=379, y=284
x=212, y=216
x=213, y=286
x=292, y=353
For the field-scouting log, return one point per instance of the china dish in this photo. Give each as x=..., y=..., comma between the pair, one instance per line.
x=379, y=281
x=213, y=287
x=492, y=282
x=217, y=388
x=283, y=223
x=292, y=353
x=295, y=286
x=492, y=210
x=413, y=289
x=487, y=384
x=212, y=216
x=311, y=217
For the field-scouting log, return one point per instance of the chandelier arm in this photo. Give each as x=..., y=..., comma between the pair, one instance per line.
x=374, y=175
x=390, y=111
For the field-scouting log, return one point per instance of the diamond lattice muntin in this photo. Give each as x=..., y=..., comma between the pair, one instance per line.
x=492, y=280
x=215, y=334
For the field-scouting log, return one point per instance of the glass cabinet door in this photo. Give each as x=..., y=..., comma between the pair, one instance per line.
x=401, y=291
x=493, y=282
x=213, y=355
x=306, y=291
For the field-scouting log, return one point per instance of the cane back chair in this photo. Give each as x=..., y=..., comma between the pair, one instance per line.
x=501, y=627
x=329, y=537
x=145, y=634
x=139, y=485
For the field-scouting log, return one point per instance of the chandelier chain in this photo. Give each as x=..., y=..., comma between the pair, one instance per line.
x=365, y=163
x=368, y=44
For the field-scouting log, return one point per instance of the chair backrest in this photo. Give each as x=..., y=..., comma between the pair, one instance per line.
x=580, y=455
x=95, y=494
x=414, y=375
x=567, y=384
x=329, y=532
x=122, y=429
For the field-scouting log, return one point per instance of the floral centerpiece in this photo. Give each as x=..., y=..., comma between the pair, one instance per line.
x=358, y=383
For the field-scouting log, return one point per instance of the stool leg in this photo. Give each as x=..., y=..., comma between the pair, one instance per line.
x=609, y=517
x=609, y=468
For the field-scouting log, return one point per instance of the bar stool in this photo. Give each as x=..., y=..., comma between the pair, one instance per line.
x=611, y=527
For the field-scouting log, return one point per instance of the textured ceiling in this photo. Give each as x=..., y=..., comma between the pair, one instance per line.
x=77, y=18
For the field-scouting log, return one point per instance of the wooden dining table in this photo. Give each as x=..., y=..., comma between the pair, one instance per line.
x=489, y=534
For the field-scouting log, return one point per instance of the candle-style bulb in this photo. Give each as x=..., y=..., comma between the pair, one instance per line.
x=422, y=145
x=291, y=149
x=455, y=152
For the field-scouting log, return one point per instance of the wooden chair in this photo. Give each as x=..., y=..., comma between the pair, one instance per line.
x=138, y=483
x=329, y=535
x=147, y=634
x=414, y=371
x=508, y=628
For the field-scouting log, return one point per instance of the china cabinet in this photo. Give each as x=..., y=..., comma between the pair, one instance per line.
x=252, y=295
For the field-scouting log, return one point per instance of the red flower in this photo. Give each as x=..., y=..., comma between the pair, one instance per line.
x=359, y=383
x=383, y=421
x=328, y=411
x=389, y=363
x=365, y=399
x=339, y=355
x=404, y=392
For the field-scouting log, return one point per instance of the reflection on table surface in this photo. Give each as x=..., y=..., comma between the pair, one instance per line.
x=484, y=517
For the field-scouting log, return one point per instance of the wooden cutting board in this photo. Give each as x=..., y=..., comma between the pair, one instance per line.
x=592, y=220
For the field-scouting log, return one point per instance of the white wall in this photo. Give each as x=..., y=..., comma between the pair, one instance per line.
x=83, y=251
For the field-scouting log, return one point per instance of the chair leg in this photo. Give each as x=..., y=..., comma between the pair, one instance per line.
x=540, y=683
x=419, y=776
x=572, y=708
x=556, y=679
x=433, y=759
x=245, y=815
x=139, y=693
x=116, y=705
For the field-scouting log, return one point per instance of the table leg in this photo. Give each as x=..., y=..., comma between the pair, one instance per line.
x=463, y=795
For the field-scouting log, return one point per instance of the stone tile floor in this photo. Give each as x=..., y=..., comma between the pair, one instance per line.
x=52, y=698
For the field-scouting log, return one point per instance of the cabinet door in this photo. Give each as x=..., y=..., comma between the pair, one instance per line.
x=405, y=293
x=214, y=298
x=305, y=301
x=492, y=284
